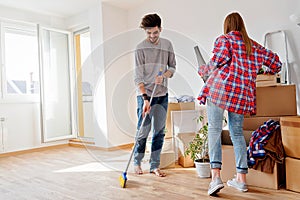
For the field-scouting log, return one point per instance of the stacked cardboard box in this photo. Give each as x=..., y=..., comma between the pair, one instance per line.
x=184, y=126
x=254, y=177
x=272, y=102
x=290, y=129
x=267, y=80
x=176, y=107
x=168, y=156
x=183, y=142
x=276, y=101
x=167, y=160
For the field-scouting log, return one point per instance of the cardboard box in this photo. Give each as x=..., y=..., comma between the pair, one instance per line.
x=292, y=167
x=266, y=83
x=290, y=132
x=168, y=145
x=182, y=141
x=254, y=177
x=226, y=139
x=276, y=101
x=254, y=122
x=268, y=77
x=167, y=160
x=267, y=80
x=185, y=161
x=176, y=106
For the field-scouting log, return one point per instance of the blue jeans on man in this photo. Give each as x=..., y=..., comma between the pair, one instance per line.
x=156, y=120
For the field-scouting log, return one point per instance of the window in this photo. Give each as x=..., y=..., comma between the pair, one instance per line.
x=36, y=67
x=21, y=62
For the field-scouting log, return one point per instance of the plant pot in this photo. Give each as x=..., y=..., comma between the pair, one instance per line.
x=203, y=169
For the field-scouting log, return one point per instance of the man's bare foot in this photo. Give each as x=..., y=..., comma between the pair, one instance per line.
x=158, y=173
x=138, y=170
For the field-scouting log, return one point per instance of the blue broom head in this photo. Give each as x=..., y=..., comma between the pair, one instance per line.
x=124, y=175
x=123, y=179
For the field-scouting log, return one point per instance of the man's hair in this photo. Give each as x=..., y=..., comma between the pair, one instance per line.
x=234, y=22
x=151, y=20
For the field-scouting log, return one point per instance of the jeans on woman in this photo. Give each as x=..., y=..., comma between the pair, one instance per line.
x=215, y=125
x=156, y=120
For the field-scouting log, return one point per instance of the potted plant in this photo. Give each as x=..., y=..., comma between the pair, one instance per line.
x=197, y=149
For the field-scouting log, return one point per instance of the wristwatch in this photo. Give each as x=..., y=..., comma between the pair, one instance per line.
x=145, y=97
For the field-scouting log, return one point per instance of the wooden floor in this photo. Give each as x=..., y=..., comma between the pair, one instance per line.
x=83, y=173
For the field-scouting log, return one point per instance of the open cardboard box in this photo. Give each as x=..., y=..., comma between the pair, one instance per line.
x=176, y=107
x=185, y=161
x=183, y=141
x=268, y=80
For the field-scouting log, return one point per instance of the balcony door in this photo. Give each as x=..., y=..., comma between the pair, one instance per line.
x=57, y=85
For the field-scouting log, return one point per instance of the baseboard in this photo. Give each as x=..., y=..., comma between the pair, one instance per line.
x=81, y=145
x=14, y=153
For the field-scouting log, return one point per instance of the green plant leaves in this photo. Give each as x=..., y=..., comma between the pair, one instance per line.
x=198, y=147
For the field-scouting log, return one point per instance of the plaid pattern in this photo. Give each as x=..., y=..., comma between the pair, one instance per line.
x=232, y=74
x=258, y=139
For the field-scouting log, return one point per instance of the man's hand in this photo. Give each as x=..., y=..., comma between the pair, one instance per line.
x=146, y=107
x=167, y=74
x=159, y=80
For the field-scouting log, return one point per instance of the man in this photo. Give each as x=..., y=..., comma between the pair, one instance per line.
x=152, y=55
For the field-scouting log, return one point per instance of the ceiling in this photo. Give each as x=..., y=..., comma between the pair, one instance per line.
x=64, y=8
x=125, y=4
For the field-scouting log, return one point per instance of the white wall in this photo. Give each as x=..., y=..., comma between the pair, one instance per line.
x=27, y=132
x=21, y=127
x=97, y=57
x=118, y=75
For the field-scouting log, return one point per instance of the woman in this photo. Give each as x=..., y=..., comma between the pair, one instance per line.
x=232, y=73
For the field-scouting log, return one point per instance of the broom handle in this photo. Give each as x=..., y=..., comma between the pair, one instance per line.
x=142, y=124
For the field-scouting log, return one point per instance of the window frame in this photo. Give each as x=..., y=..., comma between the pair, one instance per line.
x=18, y=27
x=73, y=88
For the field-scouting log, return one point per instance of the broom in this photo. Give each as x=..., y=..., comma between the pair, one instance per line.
x=123, y=177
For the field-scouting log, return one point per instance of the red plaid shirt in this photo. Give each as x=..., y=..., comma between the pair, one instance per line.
x=232, y=74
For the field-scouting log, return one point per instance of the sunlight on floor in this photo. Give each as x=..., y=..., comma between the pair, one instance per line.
x=90, y=167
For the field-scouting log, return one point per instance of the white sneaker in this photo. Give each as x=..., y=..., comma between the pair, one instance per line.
x=237, y=185
x=215, y=186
